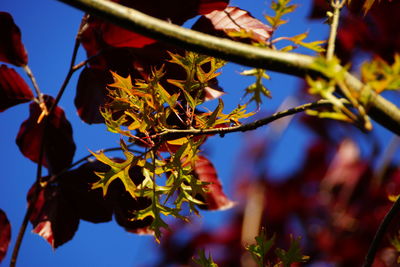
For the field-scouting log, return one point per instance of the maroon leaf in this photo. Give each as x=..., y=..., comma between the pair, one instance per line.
x=13, y=89
x=214, y=198
x=90, y=205
x=93, y=81
x=91, y=94
x=5, y=234
x=59, y=146
x=53, y=218
x=95, y=34
x=233, y=20
x=128, y=53
x=125, y=206
x=207, y=6
x=119, y=37
x=11, y=48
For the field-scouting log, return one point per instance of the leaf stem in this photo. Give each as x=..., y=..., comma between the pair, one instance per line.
x=394, y=210
x=337, y=5
x=175, y=133
x=39, y=94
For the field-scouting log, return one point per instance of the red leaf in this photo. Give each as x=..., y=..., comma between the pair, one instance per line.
x=90, y=205
x=11, y=48
x=13, y=89
x=233, y=19
x=91, y=89
x=214, y=198
x=95, y=34
x=5, y=234
x=207, y=6
x=91, y=93
x=53, y=218
x=59, y=147
x=125, y=207
x=119, y=37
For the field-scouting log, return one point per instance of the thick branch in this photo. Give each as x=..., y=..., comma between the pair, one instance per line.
x=176, y=133
x=380, y=233
x=381, y=110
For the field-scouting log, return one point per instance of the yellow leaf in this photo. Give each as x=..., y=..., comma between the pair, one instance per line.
x=393, y=198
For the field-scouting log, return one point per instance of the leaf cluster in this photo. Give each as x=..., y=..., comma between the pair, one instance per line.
x=327, y=89
x=263, y=245
x=380, y=75
x=143, y=111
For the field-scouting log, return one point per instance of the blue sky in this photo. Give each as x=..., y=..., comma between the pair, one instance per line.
x=48, y=30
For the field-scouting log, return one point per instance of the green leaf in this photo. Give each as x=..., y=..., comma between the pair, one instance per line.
x=280, y=8
x=122, y=83
x=257, y=90
x=293, y=255
x=260, y=249
x=117, y=171
x=216, y=113
x=381, y=76
x=203, y=261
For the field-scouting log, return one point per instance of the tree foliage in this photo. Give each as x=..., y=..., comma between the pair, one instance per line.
x=156, y=95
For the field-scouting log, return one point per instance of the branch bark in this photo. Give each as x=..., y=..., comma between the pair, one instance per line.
x=380, y=109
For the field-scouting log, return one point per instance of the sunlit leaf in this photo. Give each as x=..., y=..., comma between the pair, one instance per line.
x=235, y=23
x=118, y=170
x=293, y=254
x=214, y=198
x=204, y=261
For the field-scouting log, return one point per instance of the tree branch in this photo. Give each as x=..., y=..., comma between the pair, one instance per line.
x=380, y=109
x=38, y=185
x=176, y=133
x=394, y=210
x=337, y=5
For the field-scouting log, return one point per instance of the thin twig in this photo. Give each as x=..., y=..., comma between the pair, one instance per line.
x=394, y=210
x=38, y=185
x=68, y=76
x=39, y=94
x=175, y=133
x=54, y=177
x=31, y=207
x=337, y=5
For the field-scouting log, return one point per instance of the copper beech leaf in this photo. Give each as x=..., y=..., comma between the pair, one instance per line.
x=11, y=48
x=214, y=198
x=91, y=93
x=59, y=146
x=234, y=22
x=96, y=33
x=5, y=234
x=126, y=207
x=13, y=89
x=90, y=205
x=53, y=218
